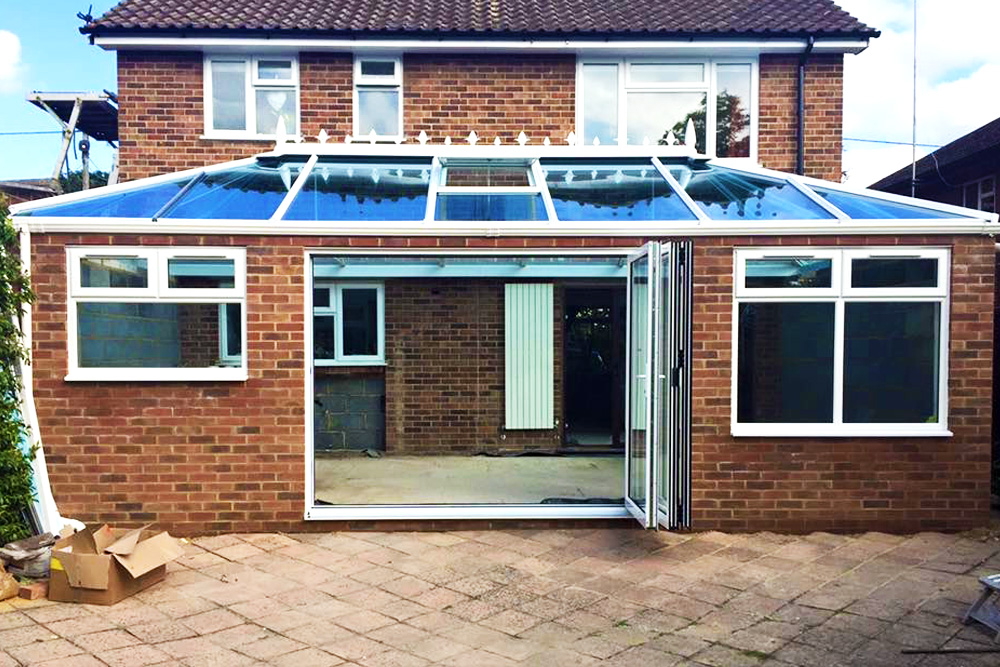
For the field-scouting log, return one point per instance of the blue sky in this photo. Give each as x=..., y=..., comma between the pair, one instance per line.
x=53, y=56
x=959, y=67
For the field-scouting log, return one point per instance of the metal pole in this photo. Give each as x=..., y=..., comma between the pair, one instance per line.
x=67, y=138
x=913, y=166
x=85, y=158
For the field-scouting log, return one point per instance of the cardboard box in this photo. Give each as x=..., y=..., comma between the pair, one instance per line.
x=102, y=565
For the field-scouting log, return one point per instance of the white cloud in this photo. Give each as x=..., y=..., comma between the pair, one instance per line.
x=10, y=61
x=957, y=70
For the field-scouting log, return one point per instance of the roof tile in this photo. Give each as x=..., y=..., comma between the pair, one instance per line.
x=537, y=17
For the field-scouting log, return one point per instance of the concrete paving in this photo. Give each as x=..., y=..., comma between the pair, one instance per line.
x=532, y=598
x=468, y=479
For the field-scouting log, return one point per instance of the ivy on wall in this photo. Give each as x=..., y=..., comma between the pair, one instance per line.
x=16, y=495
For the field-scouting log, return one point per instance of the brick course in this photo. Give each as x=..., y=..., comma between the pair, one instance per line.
x=228, y=456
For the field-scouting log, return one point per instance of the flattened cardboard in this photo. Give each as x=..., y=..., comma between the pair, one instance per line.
x=151, y=553
x=125, y=544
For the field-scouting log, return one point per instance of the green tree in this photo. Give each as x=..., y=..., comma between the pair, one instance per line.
x=732, y=127
x=73, y=182
x=16, y=495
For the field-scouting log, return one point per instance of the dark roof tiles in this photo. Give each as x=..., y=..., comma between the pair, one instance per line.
x=527, y=17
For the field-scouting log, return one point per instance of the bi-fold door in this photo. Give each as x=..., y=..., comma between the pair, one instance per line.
x=658, y=391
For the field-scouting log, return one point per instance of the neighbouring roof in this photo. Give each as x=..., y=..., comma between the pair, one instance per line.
x=985, y=138
x=498, y=17
x=28, y=189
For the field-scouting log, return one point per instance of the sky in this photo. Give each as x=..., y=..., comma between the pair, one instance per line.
x=957, y=89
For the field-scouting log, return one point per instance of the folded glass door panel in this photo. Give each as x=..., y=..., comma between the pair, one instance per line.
x=672, y=455
x=639, y=395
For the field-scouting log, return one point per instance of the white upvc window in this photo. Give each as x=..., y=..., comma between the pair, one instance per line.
x=378, y=98
x=156, y=314
x=248, y=97
x=980, y=194
x=840, y=342
x=664, y=100
x=348, y=324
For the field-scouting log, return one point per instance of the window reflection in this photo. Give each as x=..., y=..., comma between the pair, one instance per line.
x=600, y=103
x=891, y=363
x=363, y=191
x=622, y=192
x=246, y=193
x=732, y=104
x=785, y=363
x=654, y=116
x=729, y=195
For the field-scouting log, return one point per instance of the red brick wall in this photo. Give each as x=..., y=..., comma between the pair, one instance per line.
x=445, y=372
x=162, y=117
x=228, y=456
x=844, y=484
x=162, y=107
x=778, y=124
x=493, y=95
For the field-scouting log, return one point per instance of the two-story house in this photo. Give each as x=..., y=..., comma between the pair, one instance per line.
x=521, y=260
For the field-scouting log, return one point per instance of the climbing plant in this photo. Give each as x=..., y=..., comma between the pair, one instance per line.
x=16, y=494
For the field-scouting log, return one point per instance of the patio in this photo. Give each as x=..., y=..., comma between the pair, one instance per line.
x=552, y=598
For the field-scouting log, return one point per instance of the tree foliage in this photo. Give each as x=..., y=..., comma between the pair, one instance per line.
x=16, y=495
x=73, y=181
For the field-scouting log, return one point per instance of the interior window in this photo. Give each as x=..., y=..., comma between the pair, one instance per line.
x=348, y=324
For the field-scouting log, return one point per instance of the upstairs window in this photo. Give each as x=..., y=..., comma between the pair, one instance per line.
x=378, y=98
x=981, y=194
x=251, y=96
x=661, y=101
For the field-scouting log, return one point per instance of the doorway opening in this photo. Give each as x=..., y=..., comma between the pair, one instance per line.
x=594, y=368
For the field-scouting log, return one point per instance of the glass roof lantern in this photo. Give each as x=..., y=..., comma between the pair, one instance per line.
x=422, y=185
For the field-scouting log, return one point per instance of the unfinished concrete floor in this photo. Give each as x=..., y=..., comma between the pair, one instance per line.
x=531, y=598
x=358, y=480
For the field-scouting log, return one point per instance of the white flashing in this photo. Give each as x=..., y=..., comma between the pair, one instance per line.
x=666, y=228
x=375, y=46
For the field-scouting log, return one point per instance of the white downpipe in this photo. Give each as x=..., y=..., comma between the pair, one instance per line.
x=45, y=504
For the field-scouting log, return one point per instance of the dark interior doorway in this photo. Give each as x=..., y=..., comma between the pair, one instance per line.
x=594, y=363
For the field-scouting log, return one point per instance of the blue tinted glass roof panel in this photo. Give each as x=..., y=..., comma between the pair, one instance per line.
x=140, y=202
x=727, y=194
x=363, y=191
x=863, y=207
x=612, y=192
x=490, y=207
x=251, y=192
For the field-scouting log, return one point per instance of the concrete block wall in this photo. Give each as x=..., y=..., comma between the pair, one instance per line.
x=349, y=411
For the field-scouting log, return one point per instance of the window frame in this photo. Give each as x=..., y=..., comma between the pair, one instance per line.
x=709, y=86
x=841, y=295
x=252, y=83
x=336, y=310
x=157, y=292
x=376, y=82
x=981, y=185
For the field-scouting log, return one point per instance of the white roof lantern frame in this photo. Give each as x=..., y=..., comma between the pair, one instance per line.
x=952, y=220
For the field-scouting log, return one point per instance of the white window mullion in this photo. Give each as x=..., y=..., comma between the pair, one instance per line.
x=838, y=361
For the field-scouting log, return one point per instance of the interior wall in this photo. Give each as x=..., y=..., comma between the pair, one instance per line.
x=445, y=370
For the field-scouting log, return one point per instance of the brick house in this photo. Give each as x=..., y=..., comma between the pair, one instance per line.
x=403, y=265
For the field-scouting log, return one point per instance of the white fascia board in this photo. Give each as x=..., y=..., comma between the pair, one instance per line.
x=417, y=228
x=718, y=47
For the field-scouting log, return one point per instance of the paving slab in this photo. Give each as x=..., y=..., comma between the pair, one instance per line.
x=529, y=597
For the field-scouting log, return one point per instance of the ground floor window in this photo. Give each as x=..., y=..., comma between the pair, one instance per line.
x=143, y=313
x=348, y=323
x=845, y=342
